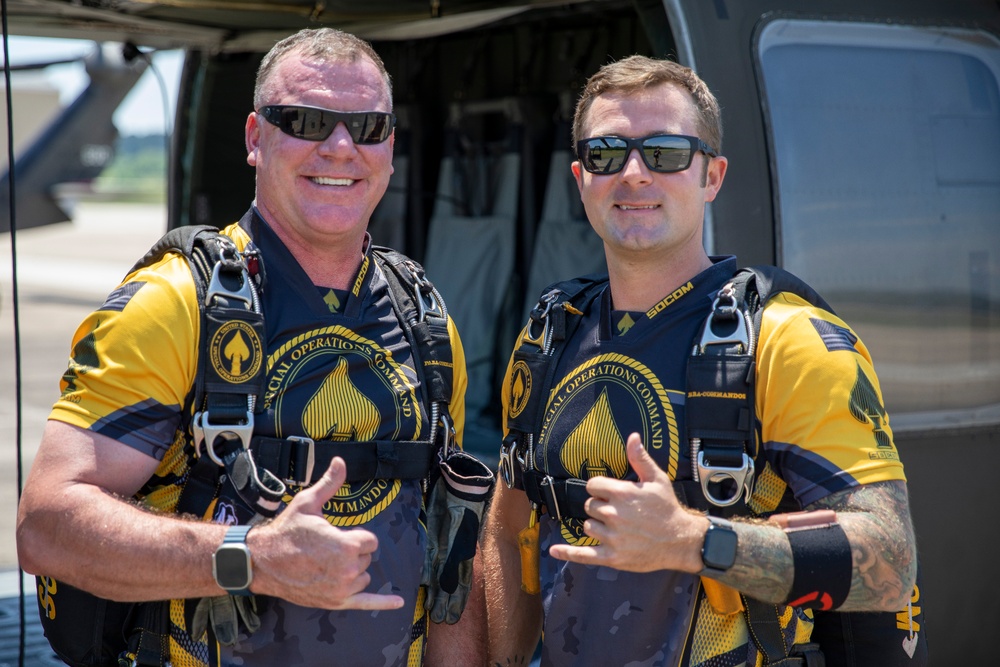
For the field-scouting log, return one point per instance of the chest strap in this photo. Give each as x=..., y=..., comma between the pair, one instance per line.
x=302, y=461
x=565, y=498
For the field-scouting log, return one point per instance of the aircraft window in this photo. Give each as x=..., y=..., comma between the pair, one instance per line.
x=886, y=146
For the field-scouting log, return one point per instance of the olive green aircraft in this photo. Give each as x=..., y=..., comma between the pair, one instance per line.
x=863, y=139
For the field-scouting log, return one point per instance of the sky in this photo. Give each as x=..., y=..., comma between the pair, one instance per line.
x=141, y=112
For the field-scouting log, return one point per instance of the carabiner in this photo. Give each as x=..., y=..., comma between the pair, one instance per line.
x=428, y=299
x=739, y=335
x=541, y=340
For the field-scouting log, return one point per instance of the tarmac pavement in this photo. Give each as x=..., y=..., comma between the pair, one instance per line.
x=64, y=271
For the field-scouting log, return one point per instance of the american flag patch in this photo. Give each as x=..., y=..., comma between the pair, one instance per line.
x=834, y=337
x=118, y=299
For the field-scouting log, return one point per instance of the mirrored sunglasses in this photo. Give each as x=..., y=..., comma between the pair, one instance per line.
x=316, y=124
x=662, y=153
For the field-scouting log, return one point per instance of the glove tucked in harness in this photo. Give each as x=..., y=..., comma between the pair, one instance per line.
x=455, y=509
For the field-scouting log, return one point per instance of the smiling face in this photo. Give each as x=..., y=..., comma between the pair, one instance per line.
x=638, y=212
x=320, y=194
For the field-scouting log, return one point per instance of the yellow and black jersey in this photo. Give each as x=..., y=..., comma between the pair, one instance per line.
x=337, y=368
x=823, y=428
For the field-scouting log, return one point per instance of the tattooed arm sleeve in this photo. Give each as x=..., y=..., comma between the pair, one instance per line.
x=875, y=518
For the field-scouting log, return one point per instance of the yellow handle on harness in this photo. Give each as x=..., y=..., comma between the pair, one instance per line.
x=527, y=542
x=724, y=600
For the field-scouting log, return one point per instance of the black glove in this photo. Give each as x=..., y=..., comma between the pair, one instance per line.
x=455, y=509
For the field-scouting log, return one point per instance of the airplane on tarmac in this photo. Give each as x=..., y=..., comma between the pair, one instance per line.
x=863, y=139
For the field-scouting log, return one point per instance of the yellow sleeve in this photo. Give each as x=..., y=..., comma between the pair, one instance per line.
x=459, y=383
x=133, y=360
x=823, y=419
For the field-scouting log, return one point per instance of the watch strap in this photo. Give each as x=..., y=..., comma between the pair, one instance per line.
x=236, y=535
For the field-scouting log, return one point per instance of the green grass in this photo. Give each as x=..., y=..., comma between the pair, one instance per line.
x=138, y=171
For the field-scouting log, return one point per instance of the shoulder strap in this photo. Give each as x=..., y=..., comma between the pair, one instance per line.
x=424, y=317
x=226, y=295
x=722, y=424
x=550, y=323
x=222, y=397
x=755, y=285
x=230, y=371
x=720, y=409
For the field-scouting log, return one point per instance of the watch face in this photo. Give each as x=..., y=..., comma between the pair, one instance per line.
x=720, y=548
x=232, y=567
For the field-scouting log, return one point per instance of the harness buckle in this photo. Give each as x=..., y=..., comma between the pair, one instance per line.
x=428, y=300
x=449, y=434
x=741, y=477
x=304, y=480
x=549, y=491
x=724, y=311
x=542, y=338
x=207, y=432
x=508, y=454
x=216, y=288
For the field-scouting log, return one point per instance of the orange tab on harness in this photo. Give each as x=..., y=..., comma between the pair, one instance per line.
x=724, y=600
x=527, y=542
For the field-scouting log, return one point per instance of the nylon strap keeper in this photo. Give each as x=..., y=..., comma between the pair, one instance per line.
x=822, y=559
x=562, y=498
x=723, y=417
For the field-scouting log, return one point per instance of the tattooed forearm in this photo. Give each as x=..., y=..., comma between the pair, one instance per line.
x=876, y=520
x=763, y=568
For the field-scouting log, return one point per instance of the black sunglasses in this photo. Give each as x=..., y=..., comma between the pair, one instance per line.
x=663, y=153
x=316, y=124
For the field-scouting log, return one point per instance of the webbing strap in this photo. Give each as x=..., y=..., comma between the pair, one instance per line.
x=289, y=458
x=221, y=398
x=765, y=630
x=148, y=642
x=720, y=409
x=424, y=319
x=565, y=498
x=551, y=322
x=201, y=487
x=562, y=498
x=719, y=404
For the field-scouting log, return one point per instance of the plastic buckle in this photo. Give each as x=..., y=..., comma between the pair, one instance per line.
x=205, y=431
x=742, y=477
x=216, y=288
x=305, y=480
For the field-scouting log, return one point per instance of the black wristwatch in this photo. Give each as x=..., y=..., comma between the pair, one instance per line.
x=231, y=564
x=719, y=551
